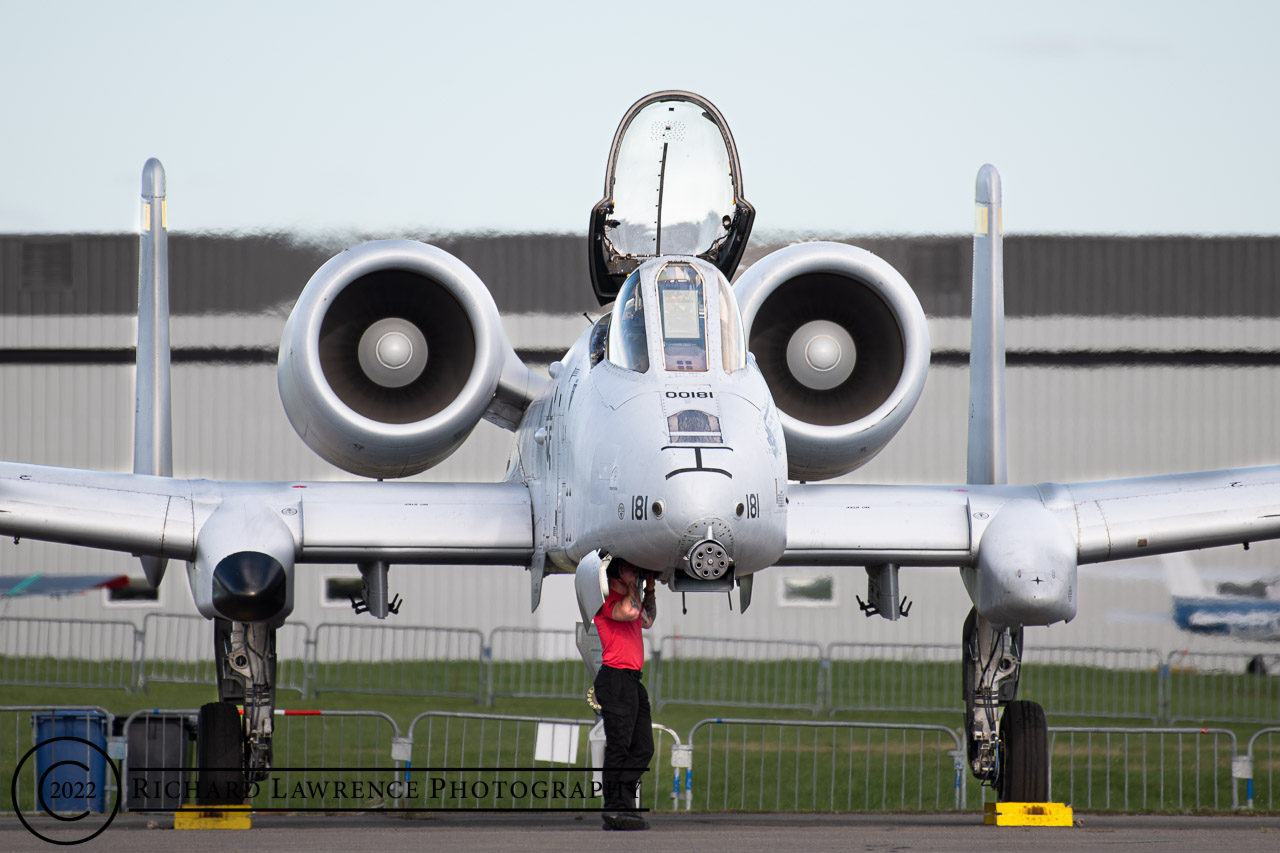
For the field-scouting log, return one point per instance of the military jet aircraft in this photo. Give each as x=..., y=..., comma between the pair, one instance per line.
x=684, y=432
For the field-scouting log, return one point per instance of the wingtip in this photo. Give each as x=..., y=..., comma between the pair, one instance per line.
x=988, y=185
x=153, y=179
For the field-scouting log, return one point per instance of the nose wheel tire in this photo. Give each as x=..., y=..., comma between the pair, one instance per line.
x=1024, y=754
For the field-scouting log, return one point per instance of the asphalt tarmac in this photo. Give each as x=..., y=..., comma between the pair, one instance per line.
x=700, y=833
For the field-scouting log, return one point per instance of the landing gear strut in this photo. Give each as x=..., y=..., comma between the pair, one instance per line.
x=1009, y=751
x=245, y=656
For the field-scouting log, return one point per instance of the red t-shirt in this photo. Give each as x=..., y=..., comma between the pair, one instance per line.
x=623, y=646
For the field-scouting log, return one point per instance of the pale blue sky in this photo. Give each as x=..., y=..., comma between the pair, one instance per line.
x=851, y=118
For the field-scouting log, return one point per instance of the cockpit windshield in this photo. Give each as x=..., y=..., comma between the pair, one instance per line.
x=628, y=346
x=681, y=322
x=733, y=338
x=682, y=298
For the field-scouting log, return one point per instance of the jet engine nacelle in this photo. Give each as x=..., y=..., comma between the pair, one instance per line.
x=390, y=358
x=843, y=343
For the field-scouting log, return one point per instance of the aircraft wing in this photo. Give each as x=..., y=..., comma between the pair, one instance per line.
x=405, y=522
x=832, y=524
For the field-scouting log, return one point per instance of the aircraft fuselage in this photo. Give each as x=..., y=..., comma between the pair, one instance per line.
x=646, y=464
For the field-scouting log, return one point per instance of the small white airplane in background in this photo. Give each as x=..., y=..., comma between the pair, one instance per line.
x=682, y=432
x=1247, y=611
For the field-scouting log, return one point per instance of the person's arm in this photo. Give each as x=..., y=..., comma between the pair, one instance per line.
x=650, y=606
x=626, y=609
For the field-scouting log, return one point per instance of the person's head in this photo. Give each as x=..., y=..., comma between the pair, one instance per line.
x=622, y=571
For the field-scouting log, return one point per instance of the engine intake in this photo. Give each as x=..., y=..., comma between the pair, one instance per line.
x=390, y=358
x=844, y=345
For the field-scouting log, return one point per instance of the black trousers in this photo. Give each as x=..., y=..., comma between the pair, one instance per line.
x=624, y=704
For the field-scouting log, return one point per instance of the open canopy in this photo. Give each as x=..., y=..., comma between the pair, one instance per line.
x=673, y=187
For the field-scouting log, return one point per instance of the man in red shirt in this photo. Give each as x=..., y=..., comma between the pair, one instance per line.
x=624, y=703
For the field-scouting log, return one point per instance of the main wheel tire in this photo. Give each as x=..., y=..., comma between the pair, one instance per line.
x=220, y=756
x=1257, y=666
x=1024, y=754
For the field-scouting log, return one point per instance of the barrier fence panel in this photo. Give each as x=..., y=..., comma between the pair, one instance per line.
x=480, y=761
x=1141, y=769
x=179, y=648
x=1093, y=682
x=397, y=660
x=737, y=673
x=1263, y=770
x=533, y=662
x=537, y=662
x=332, y=760
x=893, y=677
x=493, y=762
x=68, y=653
x=829, y=766
x=1219, y=686
x=74, y=775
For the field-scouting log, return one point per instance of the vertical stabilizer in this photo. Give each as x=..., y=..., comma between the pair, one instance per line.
x=152, y=423
x=986, y=458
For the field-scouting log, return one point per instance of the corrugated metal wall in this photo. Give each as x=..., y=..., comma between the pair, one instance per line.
x=547, y=273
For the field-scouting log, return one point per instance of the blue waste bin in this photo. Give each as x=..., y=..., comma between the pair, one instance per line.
x=68, y=787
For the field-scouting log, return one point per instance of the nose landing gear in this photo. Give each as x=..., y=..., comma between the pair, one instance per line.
x=235, y=750
x=1012, y=756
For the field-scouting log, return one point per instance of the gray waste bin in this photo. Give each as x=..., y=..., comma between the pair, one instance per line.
x=157, y=761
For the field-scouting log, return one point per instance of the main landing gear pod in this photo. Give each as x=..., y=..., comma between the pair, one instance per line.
x=591, y=585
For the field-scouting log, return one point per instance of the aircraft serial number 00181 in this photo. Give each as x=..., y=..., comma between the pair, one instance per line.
x=683, y=432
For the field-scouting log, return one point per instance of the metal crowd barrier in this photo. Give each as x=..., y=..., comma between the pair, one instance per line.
x=69, y=653
x=1219, y=686
x=527, y=662
x=358, y=760
x=1262, y=752
x=179, y=648
x=333, y=760
x=321, y=761
x=399, y=660
x=737, y=673
x=21, y=773
x=501, y=761
x=541, y=663
x=1146, y=769
x=1093, y=682
x=828, y=766
x=893, y=677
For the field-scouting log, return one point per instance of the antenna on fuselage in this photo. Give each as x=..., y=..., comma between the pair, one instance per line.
x=987, y=463
x=153, y=420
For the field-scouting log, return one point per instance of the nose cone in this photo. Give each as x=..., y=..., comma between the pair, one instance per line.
x=249, y=586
